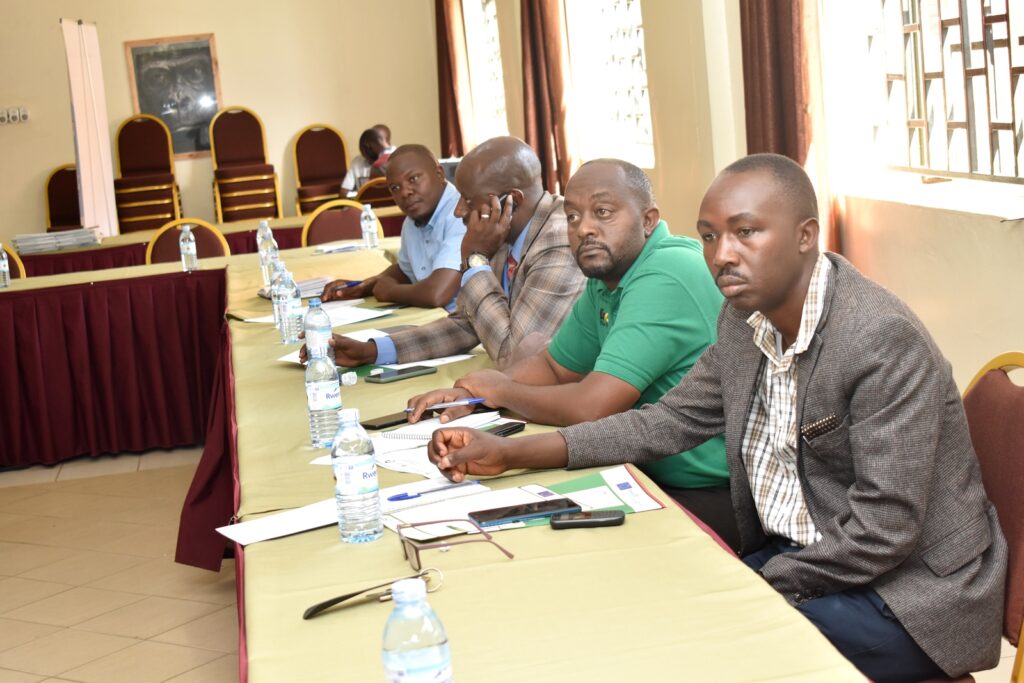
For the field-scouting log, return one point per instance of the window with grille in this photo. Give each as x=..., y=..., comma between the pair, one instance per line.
x=949, y=97
x=609, y=80
x=486, y=80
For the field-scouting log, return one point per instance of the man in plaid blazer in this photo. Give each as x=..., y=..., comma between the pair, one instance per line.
x=857, y=492
x=519, y=279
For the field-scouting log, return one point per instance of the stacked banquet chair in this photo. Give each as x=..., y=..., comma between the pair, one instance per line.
x=320, y=165
x=146, y=193
x=244, y=184
x=62, y=211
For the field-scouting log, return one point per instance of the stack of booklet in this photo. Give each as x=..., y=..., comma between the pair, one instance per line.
x=54, y=241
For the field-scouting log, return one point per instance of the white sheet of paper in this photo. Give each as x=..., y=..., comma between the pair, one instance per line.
x=325, y=512
x=423, y=429
x=366, y=335
x=337, y=247
x=340, y=313
x=623, y=485
x=460, y=507
x=596, y=498
x=433, y=362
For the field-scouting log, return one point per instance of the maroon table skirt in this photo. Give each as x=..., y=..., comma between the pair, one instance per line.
x=125, y=255
x=109, y=367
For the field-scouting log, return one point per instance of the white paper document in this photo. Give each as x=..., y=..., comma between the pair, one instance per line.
x=433, y=362
x=325, y=512
x=338, y=247
x=623, y=485
x=361, y=335
x=340, y=313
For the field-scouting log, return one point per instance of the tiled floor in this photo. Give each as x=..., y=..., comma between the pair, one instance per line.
x=89, y=590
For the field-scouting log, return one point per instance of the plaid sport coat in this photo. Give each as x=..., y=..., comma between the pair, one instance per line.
x=546, y=285
x=884, y=457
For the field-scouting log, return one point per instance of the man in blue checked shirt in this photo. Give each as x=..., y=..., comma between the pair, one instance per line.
x=427, y=273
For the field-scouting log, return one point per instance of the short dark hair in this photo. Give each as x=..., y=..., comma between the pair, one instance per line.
x=383, y=130
x=636, y=180
x=791, y=178
x=415, y=150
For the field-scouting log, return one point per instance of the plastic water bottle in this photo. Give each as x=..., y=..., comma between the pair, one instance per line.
x=5, y=269
x=368, y=222
x=317, y=326
x=187, y=246
x=287, y=307
x=323, y=398
x=268, y=251
x=355, y=481
x=415, y=644
x=277, y=270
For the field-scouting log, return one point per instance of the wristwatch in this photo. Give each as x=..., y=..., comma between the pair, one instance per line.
x=477, y=259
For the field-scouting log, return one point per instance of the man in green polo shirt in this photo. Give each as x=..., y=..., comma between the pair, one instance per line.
x=649, y=310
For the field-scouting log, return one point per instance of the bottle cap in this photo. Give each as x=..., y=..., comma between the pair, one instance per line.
x=314, y=302
x=349, y=379
x=349, y=414
x=408, y=590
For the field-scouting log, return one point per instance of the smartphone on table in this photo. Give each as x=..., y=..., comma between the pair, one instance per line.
x=404, y=373
x=522, y=512
x=385, y=421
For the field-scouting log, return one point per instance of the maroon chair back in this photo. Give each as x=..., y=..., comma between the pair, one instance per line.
x=375, y=193
x=209, y=243
x=995, y=415
x=62, y=200
x=333, y=224
x=236, y=138
x=320, y=156
x=144, y=147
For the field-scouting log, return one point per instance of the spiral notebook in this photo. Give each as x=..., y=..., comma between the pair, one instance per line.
x=422, y=431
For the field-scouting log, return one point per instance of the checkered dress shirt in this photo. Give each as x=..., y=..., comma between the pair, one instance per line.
x=769, y=444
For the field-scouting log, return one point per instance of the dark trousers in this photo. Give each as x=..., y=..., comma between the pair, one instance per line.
x=862, y=627
x=713, y=506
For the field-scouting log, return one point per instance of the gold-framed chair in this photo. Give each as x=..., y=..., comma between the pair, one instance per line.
x=994, y=405
x=335, y=220
x=375, y=192
x=146, y=192
x=321, y=160
x=164, y=248
x=245, y=186
x=61, y=192
x=14, y=263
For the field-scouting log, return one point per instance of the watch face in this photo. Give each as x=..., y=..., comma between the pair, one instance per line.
x=475, y=260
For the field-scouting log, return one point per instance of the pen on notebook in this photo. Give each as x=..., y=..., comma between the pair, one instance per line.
x=452, y=404
x=417, y=494
x=350, y=283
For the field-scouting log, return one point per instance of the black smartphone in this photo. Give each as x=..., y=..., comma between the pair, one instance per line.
x=505, y=429
x=501, y=202
x=386, y=421
x=404, y=373
x=518, y=513
x=583, y=520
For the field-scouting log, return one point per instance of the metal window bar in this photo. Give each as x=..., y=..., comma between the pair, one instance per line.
x=981, y=72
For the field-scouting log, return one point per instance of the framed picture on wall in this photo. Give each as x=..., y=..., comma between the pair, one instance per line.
x=176, y=80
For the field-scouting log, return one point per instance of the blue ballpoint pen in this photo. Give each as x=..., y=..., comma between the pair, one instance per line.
x=417, y=494
x=452, y=404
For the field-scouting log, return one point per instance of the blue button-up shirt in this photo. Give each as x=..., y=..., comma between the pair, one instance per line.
x=435, y=244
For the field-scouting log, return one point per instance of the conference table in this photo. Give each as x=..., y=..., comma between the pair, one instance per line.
x=655, y=599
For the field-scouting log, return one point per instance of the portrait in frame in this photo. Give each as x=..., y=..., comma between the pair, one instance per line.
x=176, y=80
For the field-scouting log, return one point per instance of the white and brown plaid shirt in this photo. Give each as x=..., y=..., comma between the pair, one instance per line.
x=769, y=444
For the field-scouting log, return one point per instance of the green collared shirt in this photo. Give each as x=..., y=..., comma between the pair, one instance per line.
x=649, y=331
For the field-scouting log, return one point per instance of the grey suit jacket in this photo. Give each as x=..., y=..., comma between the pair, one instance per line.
x=547, y=283
x=894, y=487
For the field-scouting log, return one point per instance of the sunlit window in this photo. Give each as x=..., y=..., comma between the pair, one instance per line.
x=485, y=73
x=948, y=97
x=612, y=110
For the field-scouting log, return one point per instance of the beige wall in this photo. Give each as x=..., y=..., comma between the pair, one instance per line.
x=293, y=63
x=960, y=273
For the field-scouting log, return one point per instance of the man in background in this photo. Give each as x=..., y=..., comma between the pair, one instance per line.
x=427, y=271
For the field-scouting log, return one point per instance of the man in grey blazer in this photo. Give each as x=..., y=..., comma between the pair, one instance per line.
x=856, y=490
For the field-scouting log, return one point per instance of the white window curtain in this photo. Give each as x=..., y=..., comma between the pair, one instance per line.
x=92, y=131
